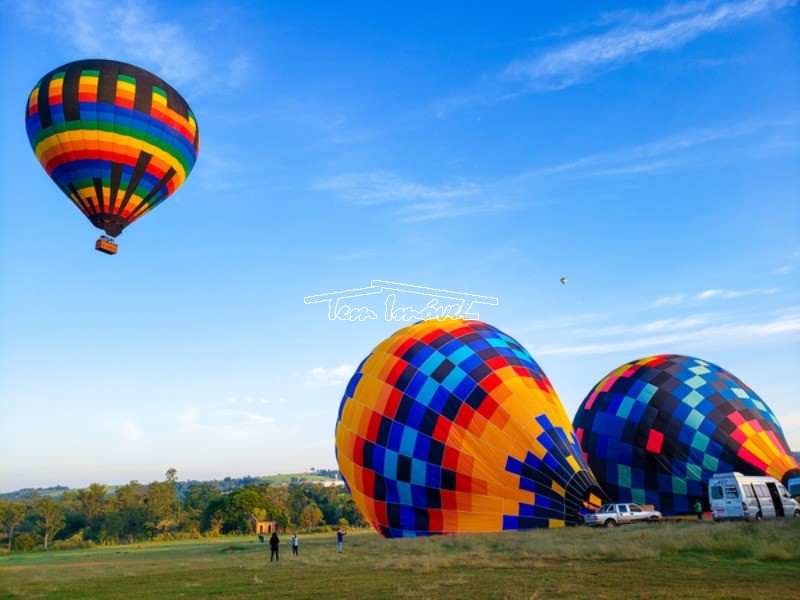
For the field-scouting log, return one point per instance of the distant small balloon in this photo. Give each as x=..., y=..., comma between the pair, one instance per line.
x=563, y=280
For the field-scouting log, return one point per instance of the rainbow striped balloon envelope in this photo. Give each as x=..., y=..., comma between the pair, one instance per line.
x=451, y=426
x=116, y=139
x=655, y=430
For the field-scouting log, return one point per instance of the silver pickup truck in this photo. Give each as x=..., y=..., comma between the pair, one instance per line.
x=611, y=515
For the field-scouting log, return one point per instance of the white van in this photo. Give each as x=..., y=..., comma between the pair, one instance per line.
x=737, y=496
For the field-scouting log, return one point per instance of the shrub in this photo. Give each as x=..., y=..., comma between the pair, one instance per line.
x=23, y=542
x=76, y=541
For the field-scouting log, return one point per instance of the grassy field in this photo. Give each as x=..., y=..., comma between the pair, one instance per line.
x=672, y=560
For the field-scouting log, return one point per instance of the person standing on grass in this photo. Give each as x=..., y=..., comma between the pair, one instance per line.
x=340, y=539
x=274, y=542
x=294, y=544
x=698, y=508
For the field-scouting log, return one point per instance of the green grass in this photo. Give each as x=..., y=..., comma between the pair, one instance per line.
x=686, y=560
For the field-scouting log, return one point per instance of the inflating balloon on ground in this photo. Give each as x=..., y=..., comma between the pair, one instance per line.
x=655, y=430
x=451, y=426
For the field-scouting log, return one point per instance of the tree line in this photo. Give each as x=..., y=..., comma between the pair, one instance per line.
x=138, y=512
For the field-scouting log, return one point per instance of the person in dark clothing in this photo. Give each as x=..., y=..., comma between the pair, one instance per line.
x=340, y=539
x=274, y=542
x=294, y=544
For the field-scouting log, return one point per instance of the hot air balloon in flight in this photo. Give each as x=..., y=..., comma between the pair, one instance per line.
x=655, y=430
x=563, y=280
x=451, y=426
x=116, y=139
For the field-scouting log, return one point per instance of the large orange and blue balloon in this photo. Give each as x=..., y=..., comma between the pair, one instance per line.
x=654, y=431
x=116, y=139
x=451, y=426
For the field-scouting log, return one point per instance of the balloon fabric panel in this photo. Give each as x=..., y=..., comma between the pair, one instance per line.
x=116, y=139
x=451, y=426
x=656, y=429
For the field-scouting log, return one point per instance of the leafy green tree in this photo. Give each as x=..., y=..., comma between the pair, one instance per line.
x=91, y=500
x=137, y=511
x=52, y=519
x=351, y=513
x=11, y=515
x=162, y=506
x=310, y=517
x=276, y=501
x=75, y=521
x=297, y=500
x=241, y=506
x=198, y=496
x=172, y=477
x=232, y=511
x=196, y=500
x=212, y=519
x=127, y=513
x=331, y=513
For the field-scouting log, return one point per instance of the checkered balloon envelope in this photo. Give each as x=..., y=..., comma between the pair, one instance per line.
x=656, y=429
x=450, y=426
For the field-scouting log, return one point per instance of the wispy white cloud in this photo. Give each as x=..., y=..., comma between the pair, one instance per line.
x=728, y=294
x=126, y=430
x=658, y=327
x=253, y=400
x=357, y=255
x=430, y=211
x=384, y=187
x=187, y=416
x=238, y=69
x=711, y=294
x=669, y=300
x=251, y=416
x=791, y=421
x=130, y=431
x=335, y=376
x=721, y=324
x=581, y=51
x=225, y=420
x=681, y=150
x=660, y=336
x=411, y=201
x=134, y=31
x=633, y=34
x=128, y=30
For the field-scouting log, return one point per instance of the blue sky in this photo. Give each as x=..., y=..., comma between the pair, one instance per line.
x=649, y=152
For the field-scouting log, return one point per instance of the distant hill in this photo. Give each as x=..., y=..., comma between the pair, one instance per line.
x=323, y=476
x=49, y=492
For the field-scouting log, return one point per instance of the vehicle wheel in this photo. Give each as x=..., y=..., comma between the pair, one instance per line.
x=654, y=520
x=610, y=523
x=797, y=512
